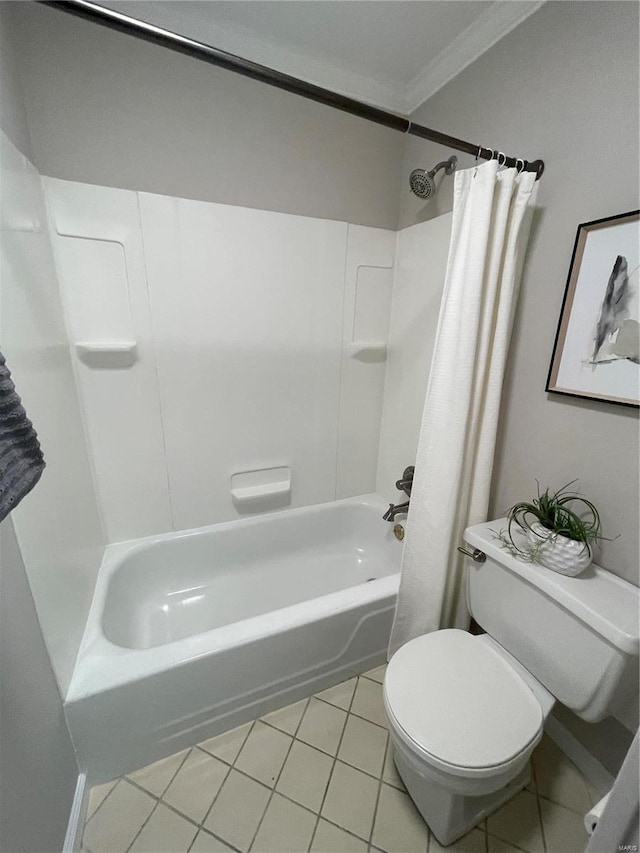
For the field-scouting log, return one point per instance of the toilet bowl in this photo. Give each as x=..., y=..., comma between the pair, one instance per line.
x=464, y=718
x=466, y=712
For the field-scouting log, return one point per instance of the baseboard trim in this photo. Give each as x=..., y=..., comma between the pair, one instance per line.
x=595, y=772
x=77, y=814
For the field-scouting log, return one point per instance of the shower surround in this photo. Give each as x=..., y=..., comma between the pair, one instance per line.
x=223, y=336
x=230, y=363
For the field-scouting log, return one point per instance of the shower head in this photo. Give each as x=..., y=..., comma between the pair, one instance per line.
x=423, y=184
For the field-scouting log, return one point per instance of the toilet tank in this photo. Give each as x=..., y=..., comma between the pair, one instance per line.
x=576, y=635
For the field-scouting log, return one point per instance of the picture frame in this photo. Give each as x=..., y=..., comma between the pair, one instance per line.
x=595, y=352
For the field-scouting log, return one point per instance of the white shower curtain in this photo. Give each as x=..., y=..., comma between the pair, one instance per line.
x=491, y=221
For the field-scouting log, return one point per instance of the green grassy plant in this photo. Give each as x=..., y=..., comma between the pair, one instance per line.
x=563, y=512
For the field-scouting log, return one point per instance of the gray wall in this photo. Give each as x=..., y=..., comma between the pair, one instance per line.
x=39, y=769
x=562, y=86
x=14, y=120
x=107, y=109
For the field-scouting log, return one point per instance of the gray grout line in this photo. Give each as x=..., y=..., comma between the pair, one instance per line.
x=353, y=713
x=333, y=765
x=553, y=802
x=176, y=811
x=368, y=677
x=115, y=784
x=277, y=779
x=246, y=737
x=224, y=781
x=538, y=806
x=153, y=810
x=217, y=838
x=510, y=843
x=375, y=809
x=158, y=799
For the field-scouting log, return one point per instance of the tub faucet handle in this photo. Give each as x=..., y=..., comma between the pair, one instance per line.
x=406, y=481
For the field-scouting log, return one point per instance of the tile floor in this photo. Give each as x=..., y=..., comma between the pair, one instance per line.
x=318, y=776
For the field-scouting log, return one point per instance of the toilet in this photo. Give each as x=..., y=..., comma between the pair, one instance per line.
x=466, y=711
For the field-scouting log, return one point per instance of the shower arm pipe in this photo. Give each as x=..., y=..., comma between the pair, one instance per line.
x=222, y=59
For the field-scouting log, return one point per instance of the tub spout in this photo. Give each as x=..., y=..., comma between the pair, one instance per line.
x=395, y=509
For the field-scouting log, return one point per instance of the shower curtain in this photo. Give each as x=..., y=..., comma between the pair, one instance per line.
x=491, y=222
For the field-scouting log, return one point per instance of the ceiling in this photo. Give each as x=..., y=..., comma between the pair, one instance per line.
x=391, y=53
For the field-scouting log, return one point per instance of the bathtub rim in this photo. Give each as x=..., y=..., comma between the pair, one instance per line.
x=101, y=665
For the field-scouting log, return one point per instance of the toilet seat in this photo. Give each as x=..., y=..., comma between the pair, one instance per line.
x=459, y=705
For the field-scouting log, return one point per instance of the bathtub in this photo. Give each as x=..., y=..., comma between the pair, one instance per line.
x=193, y=633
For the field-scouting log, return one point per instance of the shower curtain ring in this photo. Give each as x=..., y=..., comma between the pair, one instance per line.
x=504, y=159
x=520, y=160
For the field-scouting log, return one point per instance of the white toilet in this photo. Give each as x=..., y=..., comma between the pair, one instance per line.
x=465, y=712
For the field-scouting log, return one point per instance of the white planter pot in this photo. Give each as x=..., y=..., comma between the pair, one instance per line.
x=558, y=553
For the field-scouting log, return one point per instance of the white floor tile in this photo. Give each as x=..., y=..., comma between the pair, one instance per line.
x=286, y=828
x=114, y=826
x=227, y=746
x=472, y=842
x=206, y=843
x=367, y=702
x=264, y=753
x=287, y=719
x=390, y=774
x=558, y=779
x=332, y=839
x=165, y=832
x=98, y=795
x=351, y=800
x=518, y=823
x=340, y=695
x=156, y=777
x=398, y=826
x=322, y=726
x=564, y=830
x=305, y=775
x=196, y=784
x=497, y=845
x=376, y=674
x=363, y=745
x=238, y=810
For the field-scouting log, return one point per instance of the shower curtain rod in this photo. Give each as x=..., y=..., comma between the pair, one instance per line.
x=204, y=52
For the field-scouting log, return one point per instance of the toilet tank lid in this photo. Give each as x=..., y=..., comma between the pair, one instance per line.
x=606, y=603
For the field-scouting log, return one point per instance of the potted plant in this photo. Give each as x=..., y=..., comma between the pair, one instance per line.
x=556, y=529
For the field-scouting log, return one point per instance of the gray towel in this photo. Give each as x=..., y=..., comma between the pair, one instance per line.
x=21, y=460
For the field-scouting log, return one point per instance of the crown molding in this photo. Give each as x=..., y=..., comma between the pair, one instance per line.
x=272, y=52
x=396, y=96
x=331, y=75
x=498, y=20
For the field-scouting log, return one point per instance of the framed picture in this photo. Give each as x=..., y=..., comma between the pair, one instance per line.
x=597, y=348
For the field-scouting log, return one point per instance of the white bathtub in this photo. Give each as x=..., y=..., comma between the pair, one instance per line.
x=193, y=633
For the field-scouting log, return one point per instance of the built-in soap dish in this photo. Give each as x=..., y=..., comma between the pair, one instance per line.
x=261, y=489
x=107, y=355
